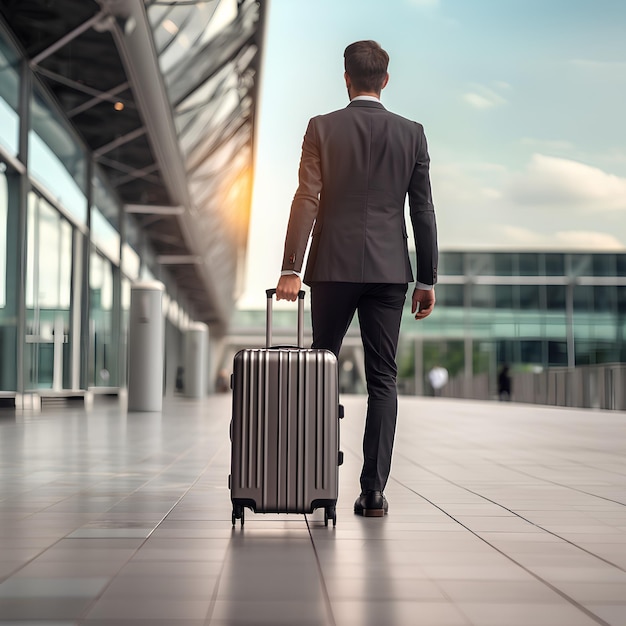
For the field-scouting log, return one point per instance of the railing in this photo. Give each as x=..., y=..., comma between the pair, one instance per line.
x=589, y=387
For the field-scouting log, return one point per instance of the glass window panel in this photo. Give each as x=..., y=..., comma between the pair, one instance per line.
x=4, y=213
x=557, y=352
x=583, y=298
x=55, y=262
x=105, y=236
x=603, y=265
x=168, y=27
x=101, y=281
x=529, y=297
x=49, y=244
x=556, y=297
x=48, y=346
x=451, y=264
x=555, y=264
x=580, y=265
x=103, y=348
x=31, y=244
x=505, y=264
x=620, y=263
x=480, y=264
x=505, y=351
x=156, y=13
x=187, y=24
x=482, y=296
x=225, y=14
x=505, y=297
x=583, y=351
x=621, y=298
x=8, y=296
x=104, y=200
x=529, y=264
x=208, y=125
x=604, y=297
x=55, y=158
x=531, y=351
x=450, y=295
x=204, y=96
x=9, y=90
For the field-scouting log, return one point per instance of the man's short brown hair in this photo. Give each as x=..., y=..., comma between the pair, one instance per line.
x=366, y=65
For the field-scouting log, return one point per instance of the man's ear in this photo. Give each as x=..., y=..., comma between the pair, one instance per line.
x=385, y=81
x=347, y=79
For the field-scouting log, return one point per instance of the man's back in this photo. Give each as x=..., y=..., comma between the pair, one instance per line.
x=367, y=157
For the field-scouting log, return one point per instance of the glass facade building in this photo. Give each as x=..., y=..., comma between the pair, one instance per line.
x=65, y=272
x=119, y=169
x=529, y=309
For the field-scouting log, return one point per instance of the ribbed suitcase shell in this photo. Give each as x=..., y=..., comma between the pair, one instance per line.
x=285, y=430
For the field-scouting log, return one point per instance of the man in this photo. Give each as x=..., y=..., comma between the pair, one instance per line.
x=358, y=164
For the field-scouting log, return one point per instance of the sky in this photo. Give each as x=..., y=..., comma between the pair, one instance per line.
x=523, y=103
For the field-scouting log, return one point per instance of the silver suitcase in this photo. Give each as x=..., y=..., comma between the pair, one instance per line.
x=285, y=428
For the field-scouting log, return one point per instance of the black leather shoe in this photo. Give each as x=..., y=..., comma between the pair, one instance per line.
x=371, y=504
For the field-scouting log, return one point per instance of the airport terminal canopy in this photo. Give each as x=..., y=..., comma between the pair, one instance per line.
x=164, y=94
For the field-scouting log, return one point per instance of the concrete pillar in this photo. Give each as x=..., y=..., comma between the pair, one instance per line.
x=196, y=370
x=145, y=347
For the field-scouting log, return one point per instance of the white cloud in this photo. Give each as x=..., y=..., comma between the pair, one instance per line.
x=482, y=97
x=588, y=64
x=552, y=181
x=518, y=236
x=549, y=145
x=463, y=185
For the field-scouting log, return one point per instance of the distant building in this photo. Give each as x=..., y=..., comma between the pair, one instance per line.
x=527, y=309
x=532, y=310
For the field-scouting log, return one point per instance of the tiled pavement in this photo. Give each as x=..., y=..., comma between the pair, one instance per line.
x=500, y=515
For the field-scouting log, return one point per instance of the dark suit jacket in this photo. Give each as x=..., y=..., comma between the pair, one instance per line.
x=358, y=165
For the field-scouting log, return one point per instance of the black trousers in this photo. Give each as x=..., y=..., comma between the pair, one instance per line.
x=379, y=307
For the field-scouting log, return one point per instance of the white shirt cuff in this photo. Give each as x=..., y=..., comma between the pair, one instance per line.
x=423, y=286
x=290, y=273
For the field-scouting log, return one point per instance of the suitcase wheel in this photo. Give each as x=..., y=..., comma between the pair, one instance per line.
x=330, y=512
x=238, y=513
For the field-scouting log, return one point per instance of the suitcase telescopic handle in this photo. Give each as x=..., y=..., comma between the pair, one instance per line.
x=268, y=325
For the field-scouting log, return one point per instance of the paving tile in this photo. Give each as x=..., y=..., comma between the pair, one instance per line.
x=537, y=614
x=397, y=613
x=46, y=588
x=489, y=513
x=285, y=612
x=614, y=614
x=116, y=607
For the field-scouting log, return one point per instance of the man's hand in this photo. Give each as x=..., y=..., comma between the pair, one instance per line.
x=288, y=287
x=423, y=303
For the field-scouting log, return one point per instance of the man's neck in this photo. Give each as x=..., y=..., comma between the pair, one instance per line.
x=368, y=97
x=369, y=94
x=364, y=98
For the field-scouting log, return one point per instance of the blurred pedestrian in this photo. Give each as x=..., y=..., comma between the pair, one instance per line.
x=504, y=384
x=438, y=378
